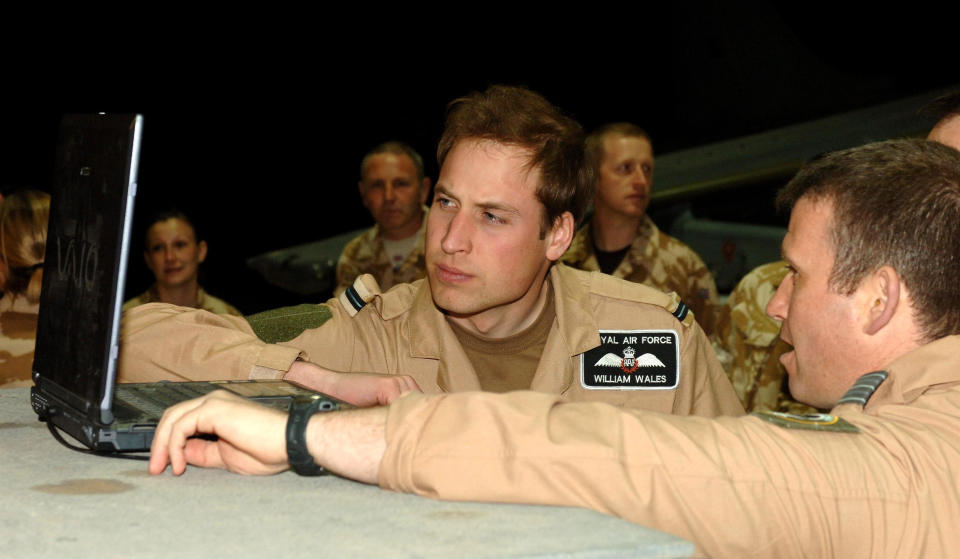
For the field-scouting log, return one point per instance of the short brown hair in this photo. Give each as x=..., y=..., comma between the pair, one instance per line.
x=396, y=148
x=520, y=117
x=897, y=204
x=594, y=142
x=23, y=241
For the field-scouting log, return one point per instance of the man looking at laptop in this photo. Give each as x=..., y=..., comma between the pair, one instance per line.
x=871, y=307
x=495, y=312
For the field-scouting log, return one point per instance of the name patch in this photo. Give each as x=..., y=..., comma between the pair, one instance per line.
x=632, y=360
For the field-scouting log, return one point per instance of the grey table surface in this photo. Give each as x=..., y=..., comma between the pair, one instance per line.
x=57, y=502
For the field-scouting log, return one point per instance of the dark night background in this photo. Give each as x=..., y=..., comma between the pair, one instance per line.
x=256, y=125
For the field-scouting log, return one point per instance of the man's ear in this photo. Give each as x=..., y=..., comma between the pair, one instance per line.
x=884, y=291
x=202, y=251
x=560, y=236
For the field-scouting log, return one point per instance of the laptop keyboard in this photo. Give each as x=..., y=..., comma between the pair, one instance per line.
x=152, y=399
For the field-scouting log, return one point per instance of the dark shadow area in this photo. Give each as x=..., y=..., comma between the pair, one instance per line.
x=261, y=139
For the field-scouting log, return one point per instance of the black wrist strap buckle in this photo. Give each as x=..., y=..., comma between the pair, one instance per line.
x=302, y=409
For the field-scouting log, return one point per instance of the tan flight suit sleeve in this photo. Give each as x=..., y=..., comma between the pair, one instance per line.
x=165, y=342
x=736, y=487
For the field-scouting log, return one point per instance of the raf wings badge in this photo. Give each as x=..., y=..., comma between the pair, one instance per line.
x=632, y=360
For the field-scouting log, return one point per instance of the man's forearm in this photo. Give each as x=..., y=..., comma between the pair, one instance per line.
x=350, y=443
x=308, y=375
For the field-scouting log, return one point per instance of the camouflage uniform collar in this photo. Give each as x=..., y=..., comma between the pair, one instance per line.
x=914, y=373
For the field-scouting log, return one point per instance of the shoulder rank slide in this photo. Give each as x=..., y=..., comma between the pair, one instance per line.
x=681, y=311
x=808, y=422
x=863, y=388
x=355, y=297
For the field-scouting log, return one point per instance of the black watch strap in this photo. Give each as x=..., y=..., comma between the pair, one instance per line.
x=301, y=410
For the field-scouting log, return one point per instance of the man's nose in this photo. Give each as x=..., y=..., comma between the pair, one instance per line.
x=457, y=236
x=640, y=179
x=778, y=306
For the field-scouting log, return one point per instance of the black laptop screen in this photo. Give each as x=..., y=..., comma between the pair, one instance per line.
x=83, y=258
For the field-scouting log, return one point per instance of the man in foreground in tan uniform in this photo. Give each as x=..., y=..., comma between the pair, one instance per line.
x=393, y=187
x=872, y=309
x=496, y=312
x=621, y=239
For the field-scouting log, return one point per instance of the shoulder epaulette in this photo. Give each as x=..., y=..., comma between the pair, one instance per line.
x=355, y=297
x=679, y=309
x=863, y=388
x=617, y=287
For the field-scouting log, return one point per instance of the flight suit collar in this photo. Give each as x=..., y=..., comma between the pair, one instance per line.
x=574, y=331
x=432, y=338
x=575, y=322
x=912, y=374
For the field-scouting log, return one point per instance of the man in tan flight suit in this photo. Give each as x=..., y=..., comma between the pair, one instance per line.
x=621, y=239
x=394, y=188
x=495, y=312
x=748, y=342
x=871, y=307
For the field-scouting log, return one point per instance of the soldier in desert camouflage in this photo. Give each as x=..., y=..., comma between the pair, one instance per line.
x=622, y=240
x=394, y=189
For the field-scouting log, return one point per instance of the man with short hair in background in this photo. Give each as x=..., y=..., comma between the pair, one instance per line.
x=393, y=187
x=621, y=239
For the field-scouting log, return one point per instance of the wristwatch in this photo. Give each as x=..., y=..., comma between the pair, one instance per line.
x=302, y=409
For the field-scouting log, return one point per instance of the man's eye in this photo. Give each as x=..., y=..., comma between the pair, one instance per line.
x=493, y=218
x=442, y=202
x=625, y=168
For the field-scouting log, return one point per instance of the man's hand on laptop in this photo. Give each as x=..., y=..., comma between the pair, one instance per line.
x=360, y=389
x=251, y=438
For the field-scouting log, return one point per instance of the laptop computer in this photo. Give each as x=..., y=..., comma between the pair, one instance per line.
x=88, y=241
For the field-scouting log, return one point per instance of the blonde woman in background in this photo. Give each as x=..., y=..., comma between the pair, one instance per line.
x=23, y=241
